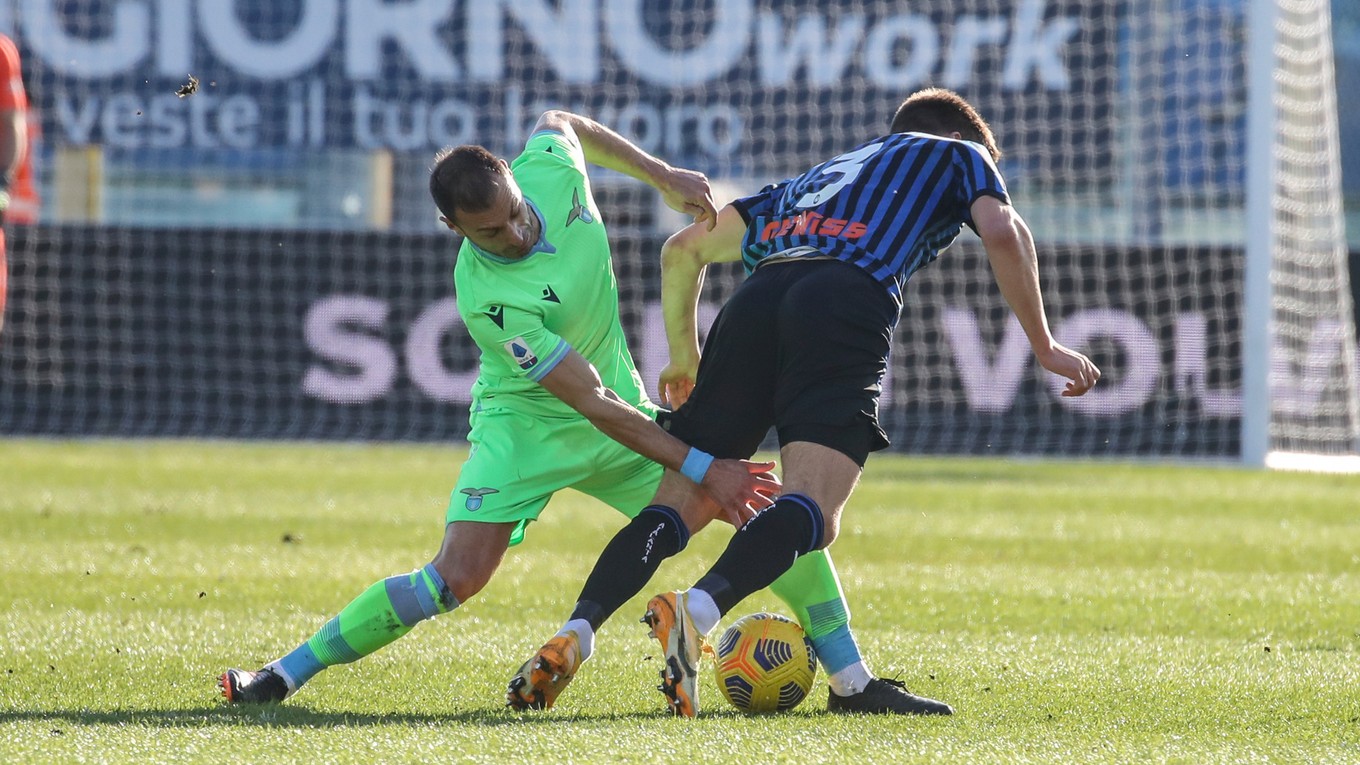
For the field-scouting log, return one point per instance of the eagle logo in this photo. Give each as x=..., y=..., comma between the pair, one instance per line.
x=474, y=500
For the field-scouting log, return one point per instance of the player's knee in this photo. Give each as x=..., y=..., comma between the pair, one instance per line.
x=470, y=554
x=695, y=508
x=464, y=577
x=830, y=530
x=697, y=513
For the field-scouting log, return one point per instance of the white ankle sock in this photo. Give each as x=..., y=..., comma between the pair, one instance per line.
x=584, y=635
x=850, y=680
x=277, y=668
x=702, y=610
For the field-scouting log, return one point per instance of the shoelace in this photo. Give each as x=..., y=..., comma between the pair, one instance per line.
x=895, y=682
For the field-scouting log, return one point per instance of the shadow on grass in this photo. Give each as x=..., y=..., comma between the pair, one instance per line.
x=274, y=716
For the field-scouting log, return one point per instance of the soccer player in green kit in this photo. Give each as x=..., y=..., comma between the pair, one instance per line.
x=558, y=403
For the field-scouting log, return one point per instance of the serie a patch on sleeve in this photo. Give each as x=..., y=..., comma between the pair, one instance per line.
x=520, y=351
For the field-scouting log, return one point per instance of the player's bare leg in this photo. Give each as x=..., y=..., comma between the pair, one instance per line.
x=825, y=476
x=387, y=610
x=471, y=554
x=829, y=477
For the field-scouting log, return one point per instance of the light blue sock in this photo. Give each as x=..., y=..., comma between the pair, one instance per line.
x=836, y=649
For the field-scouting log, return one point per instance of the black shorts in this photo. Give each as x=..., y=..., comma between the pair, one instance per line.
x=802, y=347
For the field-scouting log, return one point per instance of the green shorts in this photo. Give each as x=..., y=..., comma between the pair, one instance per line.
x=517, y=462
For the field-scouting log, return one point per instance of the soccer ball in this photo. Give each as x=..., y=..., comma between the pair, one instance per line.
x=764, y=663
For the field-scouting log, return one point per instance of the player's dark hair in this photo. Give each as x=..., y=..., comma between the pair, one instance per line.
x=463, y=179
x=940, y=112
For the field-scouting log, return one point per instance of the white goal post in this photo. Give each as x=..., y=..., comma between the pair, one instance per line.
x=1299, y=403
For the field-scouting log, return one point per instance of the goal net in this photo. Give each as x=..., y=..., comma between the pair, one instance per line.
x=259, y=257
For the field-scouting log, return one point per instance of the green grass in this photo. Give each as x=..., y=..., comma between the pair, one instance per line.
x=1071, y=612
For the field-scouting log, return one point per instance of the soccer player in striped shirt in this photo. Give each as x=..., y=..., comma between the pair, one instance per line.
x=803, y=344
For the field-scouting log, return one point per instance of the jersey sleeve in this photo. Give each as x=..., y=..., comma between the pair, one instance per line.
x=551, y=151
x=12, y=96
x=759, y=204
x=979, y=174
x=526, y=346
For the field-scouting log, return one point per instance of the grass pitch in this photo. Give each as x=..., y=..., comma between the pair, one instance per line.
x=1071, y=612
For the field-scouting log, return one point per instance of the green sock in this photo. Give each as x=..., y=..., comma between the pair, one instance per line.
x=380, y=615
x=812, y=590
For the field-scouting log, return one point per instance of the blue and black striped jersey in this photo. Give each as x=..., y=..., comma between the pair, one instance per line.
x=889, y=206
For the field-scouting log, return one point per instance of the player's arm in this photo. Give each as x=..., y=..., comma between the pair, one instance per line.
x=738, y=486
x=684, y=259
x=683, y=190
x=1015, y=265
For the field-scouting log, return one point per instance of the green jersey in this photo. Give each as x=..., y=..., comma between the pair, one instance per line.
x=526, y=314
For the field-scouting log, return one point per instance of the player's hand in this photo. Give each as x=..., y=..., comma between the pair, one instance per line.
x=676, y=383
x=1081, y=374
x=686, y=191
x=741, y=488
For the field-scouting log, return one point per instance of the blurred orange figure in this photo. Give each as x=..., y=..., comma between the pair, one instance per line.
x=18, y=199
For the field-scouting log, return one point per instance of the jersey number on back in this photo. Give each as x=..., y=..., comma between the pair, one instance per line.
x=848, y=165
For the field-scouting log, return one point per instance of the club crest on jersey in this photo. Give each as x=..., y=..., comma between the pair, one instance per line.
x=474, y=500
x=521, y=353
x=578, y=211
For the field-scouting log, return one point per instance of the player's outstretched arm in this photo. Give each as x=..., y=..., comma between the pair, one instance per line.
x=684, y=191
x=684, y=258
x=1015, y=265
x=740, y=487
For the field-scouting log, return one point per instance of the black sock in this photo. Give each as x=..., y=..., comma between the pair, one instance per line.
x=628, y=562
x=764, y=549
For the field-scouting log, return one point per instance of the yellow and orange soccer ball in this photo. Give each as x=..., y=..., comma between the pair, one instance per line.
x=764, y=663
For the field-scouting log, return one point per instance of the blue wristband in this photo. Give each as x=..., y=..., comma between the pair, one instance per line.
x=696, y=465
